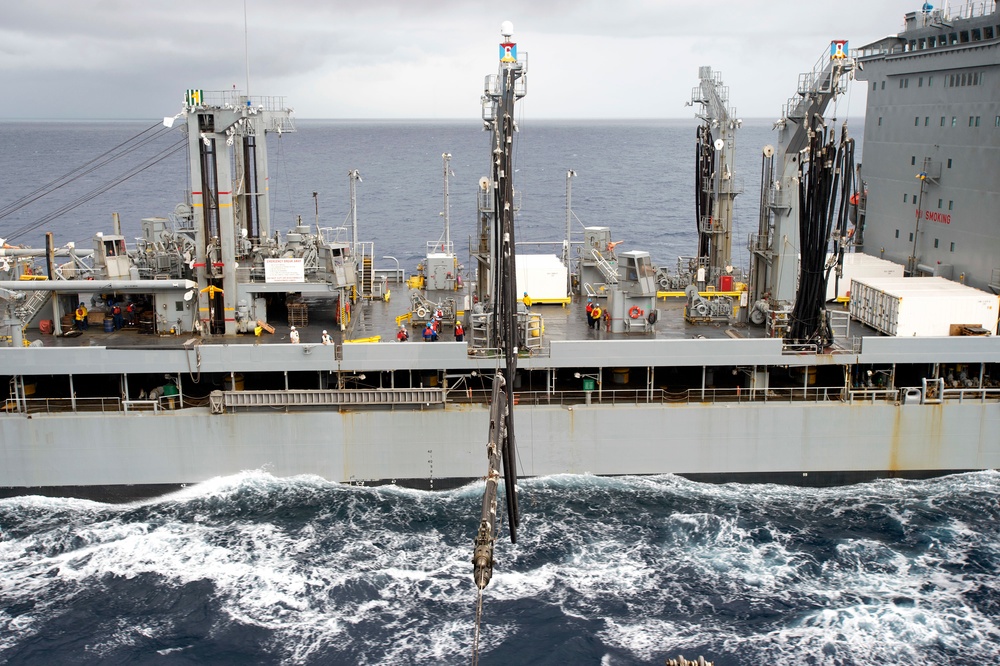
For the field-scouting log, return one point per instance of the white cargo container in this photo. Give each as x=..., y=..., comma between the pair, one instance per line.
x=859, y=266
x=921, y=306
x=542, y=276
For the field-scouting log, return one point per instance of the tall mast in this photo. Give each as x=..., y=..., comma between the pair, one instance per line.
x=714, y=176
x=501, y=93
x=446, y=158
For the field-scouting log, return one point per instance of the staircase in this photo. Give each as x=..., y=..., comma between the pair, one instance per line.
x=366, y=271
x=27, y=310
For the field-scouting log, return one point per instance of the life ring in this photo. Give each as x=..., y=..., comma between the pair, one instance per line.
x=421, y=312
x=635, y=312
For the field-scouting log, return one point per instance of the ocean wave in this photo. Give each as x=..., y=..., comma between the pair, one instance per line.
x=304, y=571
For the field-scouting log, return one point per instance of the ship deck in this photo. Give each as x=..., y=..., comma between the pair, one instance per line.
x=377, y=318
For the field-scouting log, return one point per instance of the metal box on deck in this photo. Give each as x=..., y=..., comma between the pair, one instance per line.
x=921, y=306
x=860, y=266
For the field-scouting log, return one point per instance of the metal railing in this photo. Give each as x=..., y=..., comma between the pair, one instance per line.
x=600, y=395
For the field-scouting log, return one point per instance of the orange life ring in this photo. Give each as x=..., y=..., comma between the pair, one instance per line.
x=635, y=312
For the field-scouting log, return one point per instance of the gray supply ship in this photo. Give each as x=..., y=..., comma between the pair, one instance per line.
x=700, y=370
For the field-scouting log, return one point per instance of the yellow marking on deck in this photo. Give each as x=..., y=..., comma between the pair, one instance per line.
x=374, y=338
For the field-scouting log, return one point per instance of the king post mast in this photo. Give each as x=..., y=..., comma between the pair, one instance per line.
x=227, y=149
x=498, y=112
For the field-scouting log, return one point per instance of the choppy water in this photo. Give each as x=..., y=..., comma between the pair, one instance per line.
x=253, y=569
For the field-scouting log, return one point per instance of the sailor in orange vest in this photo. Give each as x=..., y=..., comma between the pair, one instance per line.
x=459, y=332
x=402, y=336
x=590, y=308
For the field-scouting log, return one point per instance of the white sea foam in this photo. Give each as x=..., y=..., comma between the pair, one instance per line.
x=664, y=565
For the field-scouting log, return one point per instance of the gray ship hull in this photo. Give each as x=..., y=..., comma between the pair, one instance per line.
x=800, y=443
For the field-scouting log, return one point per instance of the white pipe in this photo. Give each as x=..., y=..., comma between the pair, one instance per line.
x=38, y=252
x=125, y=286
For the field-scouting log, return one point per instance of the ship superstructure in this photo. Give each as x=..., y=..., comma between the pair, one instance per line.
x=932, y=144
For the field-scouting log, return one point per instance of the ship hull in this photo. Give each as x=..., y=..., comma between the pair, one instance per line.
x=125, y=456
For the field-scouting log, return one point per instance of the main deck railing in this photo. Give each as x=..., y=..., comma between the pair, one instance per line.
x=599, y=396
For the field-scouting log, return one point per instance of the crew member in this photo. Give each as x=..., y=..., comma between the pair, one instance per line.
x=590, y=318
x=293, y=336
x=116, y=312
x=459, y=332
x=595, y=317
x=526, y=300
x=81, y=317
x=402, y=336
x=326, y=338
x=428, y=332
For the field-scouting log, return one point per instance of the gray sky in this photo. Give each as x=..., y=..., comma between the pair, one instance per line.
x=421, y=58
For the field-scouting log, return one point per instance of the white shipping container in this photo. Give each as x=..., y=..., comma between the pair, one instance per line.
x=859, y=266
x=542, y=276
x=921, y=306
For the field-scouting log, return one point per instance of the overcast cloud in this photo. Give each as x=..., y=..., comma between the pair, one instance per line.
x=420, y=58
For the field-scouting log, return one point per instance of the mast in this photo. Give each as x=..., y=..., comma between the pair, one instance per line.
x=227, y=149
x=568, y=250
x=446, y=158
x=774, y=250
x=355, y=177
x=715, y=187
x=501, y=93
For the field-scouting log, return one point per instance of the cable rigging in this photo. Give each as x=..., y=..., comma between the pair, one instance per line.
x=96, y=163
x=79, y=201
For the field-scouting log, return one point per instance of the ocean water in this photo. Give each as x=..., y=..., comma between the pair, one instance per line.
x=254, y=569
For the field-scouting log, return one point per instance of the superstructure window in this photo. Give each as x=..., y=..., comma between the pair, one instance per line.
x=940, y=203
x=977, y=121
x=905, y=197
x=927, y=119
x=942, y=121
x=935, y=242
x=880, y=121
x=883, y=85
x=951, y=204
x=954, y=121
x=897, y=233
x=874, y=84
x=996, y=121
x=911, y=236
x=988, y=32
x=949, y=162
x=930, y=81
x=952, y=247
x=920, y=82
x=913, y=159
x=916, y=121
